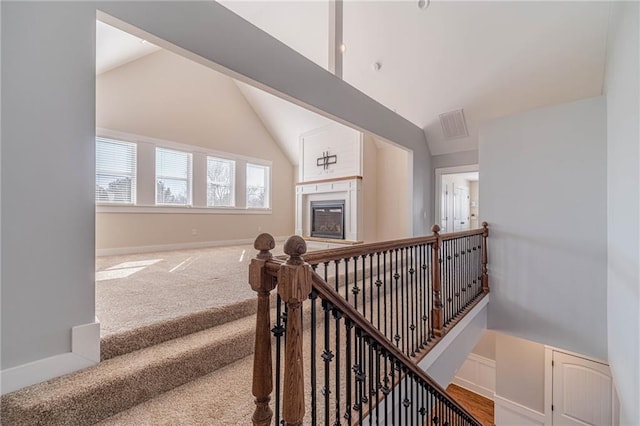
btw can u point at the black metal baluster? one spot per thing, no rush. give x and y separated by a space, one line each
396 277
378 384
337 272
393 391
406 402
403 302
346 281
384 292
314 328
364 287
337 315
348 365
371 288
378 285
278 331
327 356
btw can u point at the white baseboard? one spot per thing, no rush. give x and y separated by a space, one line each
178 246
477 374
509 413
85 352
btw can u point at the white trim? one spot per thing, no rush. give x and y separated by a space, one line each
85 341
85 344
448 338
474 383
548 384
110 208
525 415
177 246
438 189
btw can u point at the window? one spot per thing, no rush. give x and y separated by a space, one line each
221 175
115 171
173 177
257 186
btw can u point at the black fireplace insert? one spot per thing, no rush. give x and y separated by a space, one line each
327 219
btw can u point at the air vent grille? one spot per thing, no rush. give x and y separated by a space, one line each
453 124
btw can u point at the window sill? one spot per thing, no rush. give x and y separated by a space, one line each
111 208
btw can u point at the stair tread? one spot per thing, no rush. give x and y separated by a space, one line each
222 397
127 365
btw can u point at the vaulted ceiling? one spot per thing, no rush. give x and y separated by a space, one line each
490 58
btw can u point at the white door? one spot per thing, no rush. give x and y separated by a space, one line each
461 219
582 391
444 208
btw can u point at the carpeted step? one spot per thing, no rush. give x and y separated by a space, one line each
121 343
93 394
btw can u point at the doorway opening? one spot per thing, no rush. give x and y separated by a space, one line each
457 198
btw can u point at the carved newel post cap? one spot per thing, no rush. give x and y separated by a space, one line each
295 247
435 228
264 243
485 224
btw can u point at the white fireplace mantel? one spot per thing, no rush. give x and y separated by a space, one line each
348 189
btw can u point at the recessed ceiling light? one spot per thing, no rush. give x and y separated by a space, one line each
343 48
423 4
377 66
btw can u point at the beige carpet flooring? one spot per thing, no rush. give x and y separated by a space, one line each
138 290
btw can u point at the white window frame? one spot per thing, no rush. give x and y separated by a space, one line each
188 179
146 179
132 176
233 180
267 185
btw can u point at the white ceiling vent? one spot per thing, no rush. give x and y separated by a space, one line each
453 124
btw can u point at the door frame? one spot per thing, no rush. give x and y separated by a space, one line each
548 383
438 185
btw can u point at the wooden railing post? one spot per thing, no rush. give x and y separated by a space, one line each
437 317
263 284
485 274
294 286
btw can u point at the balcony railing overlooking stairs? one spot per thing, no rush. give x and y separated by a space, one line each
348 356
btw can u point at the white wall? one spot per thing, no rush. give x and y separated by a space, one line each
48 109
370 189
47 177
520 371
543 193
623 212
169 97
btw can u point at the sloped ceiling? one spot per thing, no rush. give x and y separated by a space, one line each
490 58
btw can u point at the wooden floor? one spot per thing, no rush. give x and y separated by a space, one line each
479 406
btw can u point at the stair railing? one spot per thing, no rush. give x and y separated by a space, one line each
405 295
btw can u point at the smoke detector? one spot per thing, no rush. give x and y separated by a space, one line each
454 125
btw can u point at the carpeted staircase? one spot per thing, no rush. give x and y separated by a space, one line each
148 363
193 370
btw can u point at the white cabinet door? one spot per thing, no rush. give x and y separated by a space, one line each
582 391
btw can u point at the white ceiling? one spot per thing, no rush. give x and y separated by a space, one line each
490 58
115 48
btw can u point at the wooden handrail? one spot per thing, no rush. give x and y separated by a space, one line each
459 234
328 255
327 293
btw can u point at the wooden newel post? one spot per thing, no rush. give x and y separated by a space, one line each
437 318
485 274
263 284
294 286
